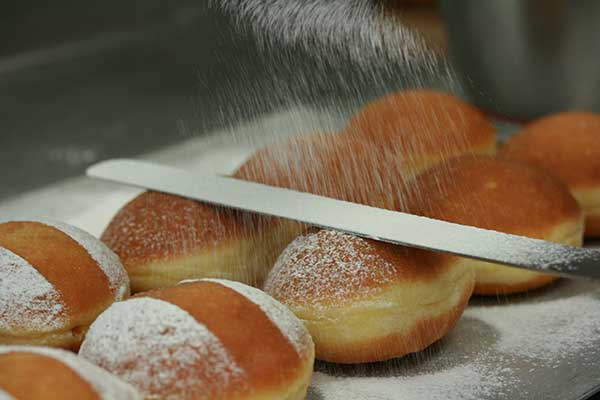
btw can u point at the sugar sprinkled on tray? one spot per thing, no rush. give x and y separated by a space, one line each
545 331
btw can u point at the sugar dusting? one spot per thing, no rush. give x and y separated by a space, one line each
289 325
106 259
469 382
160 226
327 266
107 386
548 332
160 349
5 396
28 302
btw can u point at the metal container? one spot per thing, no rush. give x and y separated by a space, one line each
527 58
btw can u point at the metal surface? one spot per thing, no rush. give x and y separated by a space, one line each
385 225
526 58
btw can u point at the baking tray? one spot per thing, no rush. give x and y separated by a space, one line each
545 344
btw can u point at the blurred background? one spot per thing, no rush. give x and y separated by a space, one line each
80 82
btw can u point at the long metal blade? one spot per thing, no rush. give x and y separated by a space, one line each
375 223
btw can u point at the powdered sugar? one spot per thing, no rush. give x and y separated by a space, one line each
546 331
107 386
160 349
106 259
327 265
343 32
284 319
466 382
28 302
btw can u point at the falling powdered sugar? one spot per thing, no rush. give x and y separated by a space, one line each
545 331
162 350
337 31
107 386
28 302
328 266
289 325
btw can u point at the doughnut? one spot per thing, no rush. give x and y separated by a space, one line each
568 146
501 195
204 339
424 127
335 165
55 279
365 301
163 239
42 373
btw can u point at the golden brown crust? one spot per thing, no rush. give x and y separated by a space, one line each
29 376
332 165
157 226
258 347
421 125
81 284
493 193
424 333
565 144
244 260
295 163
163 239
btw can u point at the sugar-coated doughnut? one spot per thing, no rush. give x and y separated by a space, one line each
424 127
163 239
42 373
204 339
55 279
366 301
501 195
568 146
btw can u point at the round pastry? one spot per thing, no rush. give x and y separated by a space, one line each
500 195
55 279
204 339
568 146
366 301
163 239
41 373
424 127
